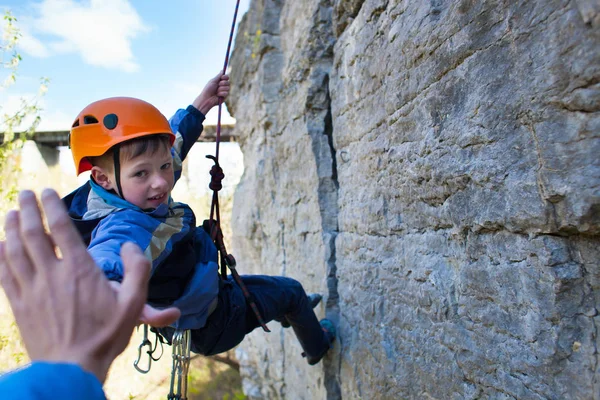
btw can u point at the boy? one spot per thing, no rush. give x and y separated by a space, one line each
135 159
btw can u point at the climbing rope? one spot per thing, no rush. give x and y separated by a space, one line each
213 225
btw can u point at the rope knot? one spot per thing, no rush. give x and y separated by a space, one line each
216 176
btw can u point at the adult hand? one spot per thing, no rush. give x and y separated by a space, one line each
65 308
216 89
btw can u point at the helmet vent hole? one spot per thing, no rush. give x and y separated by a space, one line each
111 121
88 119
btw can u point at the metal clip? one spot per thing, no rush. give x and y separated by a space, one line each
181 363
145 342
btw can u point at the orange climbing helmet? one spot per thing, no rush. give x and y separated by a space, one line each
105 123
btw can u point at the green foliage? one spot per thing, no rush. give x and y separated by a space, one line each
10 60
238 395
18 356
209 379
27 116
4 340
12 351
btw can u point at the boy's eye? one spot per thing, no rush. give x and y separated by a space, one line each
166 166
140 174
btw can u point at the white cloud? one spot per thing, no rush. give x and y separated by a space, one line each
101 31
31 45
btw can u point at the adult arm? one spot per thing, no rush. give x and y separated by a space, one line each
49 381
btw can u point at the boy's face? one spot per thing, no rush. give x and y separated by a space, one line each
146 180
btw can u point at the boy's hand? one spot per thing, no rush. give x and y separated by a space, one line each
217 88
153 316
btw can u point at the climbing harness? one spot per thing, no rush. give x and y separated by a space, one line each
181 341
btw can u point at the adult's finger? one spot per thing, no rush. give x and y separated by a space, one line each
7 279
17 259
134 287
33 234
63 231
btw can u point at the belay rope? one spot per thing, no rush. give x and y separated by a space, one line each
181 341
214 224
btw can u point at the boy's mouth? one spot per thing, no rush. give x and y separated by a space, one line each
157 197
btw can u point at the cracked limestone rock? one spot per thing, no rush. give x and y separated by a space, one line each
432 168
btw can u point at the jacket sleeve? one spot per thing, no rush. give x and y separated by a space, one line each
42 380
187 126
108 237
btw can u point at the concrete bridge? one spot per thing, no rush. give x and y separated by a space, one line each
61 138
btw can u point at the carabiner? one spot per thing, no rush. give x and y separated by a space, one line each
181 363
145 342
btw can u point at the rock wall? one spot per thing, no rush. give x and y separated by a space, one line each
433 167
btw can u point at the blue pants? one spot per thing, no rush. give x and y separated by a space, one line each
275 297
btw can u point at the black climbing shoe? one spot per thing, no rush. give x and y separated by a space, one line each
313 299
329 330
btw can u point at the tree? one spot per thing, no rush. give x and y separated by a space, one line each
25 119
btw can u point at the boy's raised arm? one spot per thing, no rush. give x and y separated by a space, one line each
187 124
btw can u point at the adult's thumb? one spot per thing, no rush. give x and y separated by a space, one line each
159 318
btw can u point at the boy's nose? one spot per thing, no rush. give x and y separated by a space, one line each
159 182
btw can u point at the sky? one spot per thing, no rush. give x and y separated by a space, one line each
160 51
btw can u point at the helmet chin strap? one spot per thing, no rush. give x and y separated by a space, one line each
117 162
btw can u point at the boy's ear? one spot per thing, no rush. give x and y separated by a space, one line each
102 178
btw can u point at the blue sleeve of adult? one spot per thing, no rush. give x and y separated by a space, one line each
42 380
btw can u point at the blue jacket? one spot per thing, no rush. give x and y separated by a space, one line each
184 267
49 381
